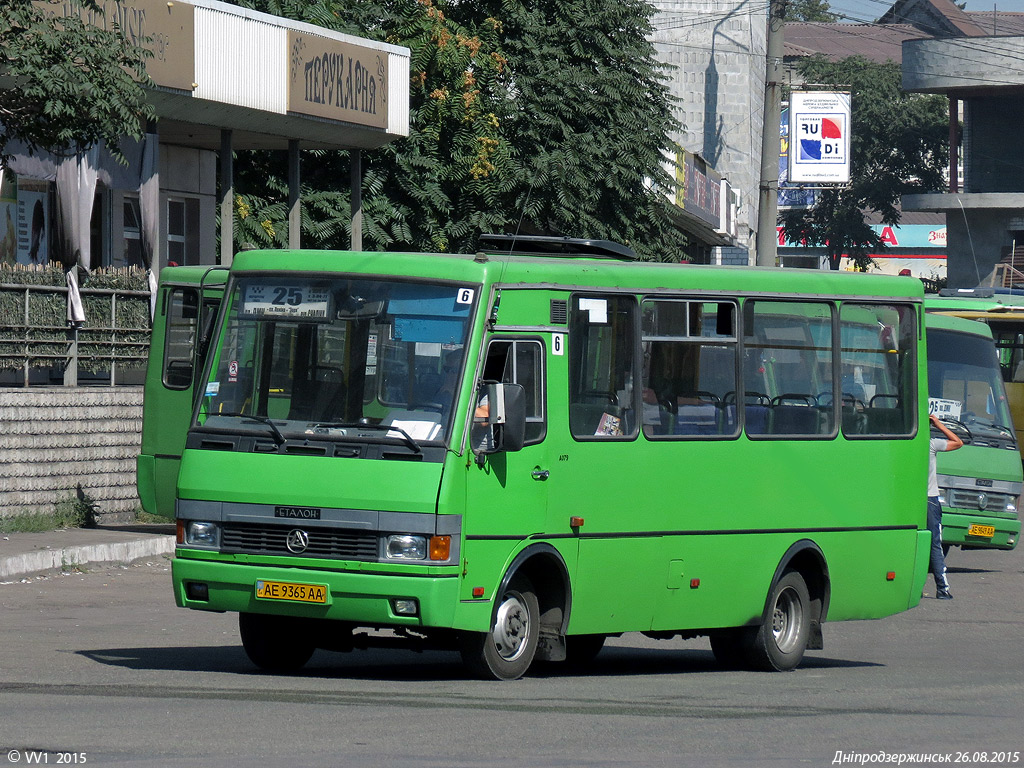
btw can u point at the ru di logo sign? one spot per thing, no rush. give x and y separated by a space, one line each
822 139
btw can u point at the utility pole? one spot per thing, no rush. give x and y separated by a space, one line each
768 188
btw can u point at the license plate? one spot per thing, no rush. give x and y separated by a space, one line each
284 590
988 531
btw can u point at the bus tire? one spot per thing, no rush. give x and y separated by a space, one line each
507 650
274 643
779 643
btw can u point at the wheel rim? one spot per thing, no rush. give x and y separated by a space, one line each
511 628
787 618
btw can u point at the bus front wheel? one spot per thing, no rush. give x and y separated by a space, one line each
779 643
274 643
507 650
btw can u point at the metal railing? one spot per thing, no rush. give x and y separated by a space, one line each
98 348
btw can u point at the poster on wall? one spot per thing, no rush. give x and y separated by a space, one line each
8 217
33 222
819 137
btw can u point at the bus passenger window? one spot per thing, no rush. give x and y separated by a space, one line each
787 368
602 339
689 368
877 360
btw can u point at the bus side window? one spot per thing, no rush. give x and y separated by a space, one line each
788 348
877 358
182 311
521 362
690 368
602 366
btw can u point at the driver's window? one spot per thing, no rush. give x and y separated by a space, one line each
518 362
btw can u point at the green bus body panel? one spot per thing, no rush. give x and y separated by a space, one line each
167 412
353 596
991 464
677 535
314 481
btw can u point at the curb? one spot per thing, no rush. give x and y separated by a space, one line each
112 552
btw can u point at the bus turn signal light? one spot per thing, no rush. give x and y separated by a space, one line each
440 547
575 522
890 576
478 591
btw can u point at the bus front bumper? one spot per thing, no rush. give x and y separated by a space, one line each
970 530
364 599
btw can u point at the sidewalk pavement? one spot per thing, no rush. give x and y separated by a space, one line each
27 553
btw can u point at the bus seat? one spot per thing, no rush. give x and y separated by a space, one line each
885 421
696 418
755 411
794 420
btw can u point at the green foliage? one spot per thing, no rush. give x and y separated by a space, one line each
67 85
899 146
810 10
116 327
546 119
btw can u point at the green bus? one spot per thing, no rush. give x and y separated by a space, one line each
518 455
980 484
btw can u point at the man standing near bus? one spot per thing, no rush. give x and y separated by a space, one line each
937 561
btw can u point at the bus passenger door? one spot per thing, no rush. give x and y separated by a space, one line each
177 354
506 492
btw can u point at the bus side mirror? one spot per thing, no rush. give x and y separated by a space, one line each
505 416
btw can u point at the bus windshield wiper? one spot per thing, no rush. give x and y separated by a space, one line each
278 437
379 427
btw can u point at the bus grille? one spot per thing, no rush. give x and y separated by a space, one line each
323 542
979 500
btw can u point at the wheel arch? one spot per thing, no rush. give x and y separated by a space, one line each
544 566
806 558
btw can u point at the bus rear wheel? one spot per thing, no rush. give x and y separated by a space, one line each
507 650
779 643
275 643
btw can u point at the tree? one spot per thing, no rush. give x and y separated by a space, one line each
548 119
69 85
898 146
810 10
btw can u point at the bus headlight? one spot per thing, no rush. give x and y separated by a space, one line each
405 547
1011 506
200 533
942 496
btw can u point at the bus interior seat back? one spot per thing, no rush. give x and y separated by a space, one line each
700 418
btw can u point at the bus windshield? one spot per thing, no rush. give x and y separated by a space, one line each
964 377
337 357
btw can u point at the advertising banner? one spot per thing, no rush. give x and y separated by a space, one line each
819 137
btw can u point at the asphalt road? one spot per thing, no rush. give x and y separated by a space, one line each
102 666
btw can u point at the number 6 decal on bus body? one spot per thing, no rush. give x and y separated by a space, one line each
557 343
464 296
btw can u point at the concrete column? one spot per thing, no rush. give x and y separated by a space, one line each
227 198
